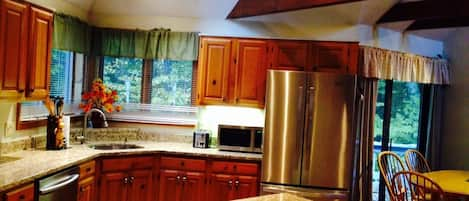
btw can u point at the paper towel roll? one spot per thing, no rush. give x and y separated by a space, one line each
66 130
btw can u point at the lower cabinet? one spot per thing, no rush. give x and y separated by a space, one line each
86 188
229 187
22 194
178 185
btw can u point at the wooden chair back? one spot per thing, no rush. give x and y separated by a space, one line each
389 164
416 161
413 186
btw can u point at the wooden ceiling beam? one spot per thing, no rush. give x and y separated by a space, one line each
249 8
439 23
426 10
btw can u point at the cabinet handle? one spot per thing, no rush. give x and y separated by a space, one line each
126 180
178 178
230 182
214 82
22 197
236 184
184 178
132 179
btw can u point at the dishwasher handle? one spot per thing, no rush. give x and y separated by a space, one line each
67 181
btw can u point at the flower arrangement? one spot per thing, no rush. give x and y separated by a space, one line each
100 97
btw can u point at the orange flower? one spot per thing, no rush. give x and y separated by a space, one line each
100 97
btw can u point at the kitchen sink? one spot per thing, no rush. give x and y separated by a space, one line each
114 146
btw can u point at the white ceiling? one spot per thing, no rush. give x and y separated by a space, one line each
361 12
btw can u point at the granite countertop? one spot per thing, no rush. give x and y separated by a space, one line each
276 197
34 164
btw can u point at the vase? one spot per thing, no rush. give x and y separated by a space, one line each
97 119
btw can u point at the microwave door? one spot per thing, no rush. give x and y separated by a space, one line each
283 131
328 138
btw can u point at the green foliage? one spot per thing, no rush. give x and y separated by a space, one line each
405 111
125 76
171 83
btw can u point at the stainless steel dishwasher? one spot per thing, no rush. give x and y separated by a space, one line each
61 186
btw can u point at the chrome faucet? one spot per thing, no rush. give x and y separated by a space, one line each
82 138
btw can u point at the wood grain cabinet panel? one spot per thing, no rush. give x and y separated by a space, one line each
140 188
13 47
245 186
22 194
86 188
113 187
40 46
193 186
251 70
220 188
335 57
169 185
289 55
214 60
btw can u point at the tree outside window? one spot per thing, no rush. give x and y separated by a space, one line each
125 76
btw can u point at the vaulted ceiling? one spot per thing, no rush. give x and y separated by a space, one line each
357 12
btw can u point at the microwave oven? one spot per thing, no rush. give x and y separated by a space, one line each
240 138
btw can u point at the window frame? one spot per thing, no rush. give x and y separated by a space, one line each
145 98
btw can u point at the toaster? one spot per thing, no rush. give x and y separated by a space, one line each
201 139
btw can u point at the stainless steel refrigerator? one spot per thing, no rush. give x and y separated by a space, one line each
309 134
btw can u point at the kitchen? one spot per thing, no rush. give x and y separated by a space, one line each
221 70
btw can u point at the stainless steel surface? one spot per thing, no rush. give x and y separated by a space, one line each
310 193
82 138
283 130
309 130
328 140
114 146
250 148
60 186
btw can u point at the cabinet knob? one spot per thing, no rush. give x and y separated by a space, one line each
178 177
132 179
82 189
21 90
230 182
182 163
214 82
31 90
184 178
237 99
22 197
126 180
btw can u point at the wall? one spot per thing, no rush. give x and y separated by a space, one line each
455 134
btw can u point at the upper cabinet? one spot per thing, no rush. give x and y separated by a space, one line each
288 55
40 46
13 47
25 50
232 71
336 57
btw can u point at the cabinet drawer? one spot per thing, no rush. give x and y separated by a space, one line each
182 164
234 168
123 164
23 194
87 169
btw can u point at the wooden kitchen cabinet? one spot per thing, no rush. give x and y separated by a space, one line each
288 55
40 55
251 70
87 182
232 71
335 57
214 67
25 50
13 47
25 193
182 179
126 179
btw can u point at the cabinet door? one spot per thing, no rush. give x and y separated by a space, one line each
113 187
170 185
251 70
289 55
330 57
40 46
23 194
193 186
214 66
246 186
13 47
86 188
141 188
221 188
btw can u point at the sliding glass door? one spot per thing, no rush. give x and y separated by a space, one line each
398 112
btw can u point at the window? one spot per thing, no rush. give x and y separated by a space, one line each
61 74
403 101
171 83
125 76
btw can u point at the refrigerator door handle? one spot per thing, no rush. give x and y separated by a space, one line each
308 126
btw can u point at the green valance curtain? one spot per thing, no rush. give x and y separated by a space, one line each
152 44
71 34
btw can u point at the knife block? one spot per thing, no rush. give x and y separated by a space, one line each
51 137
